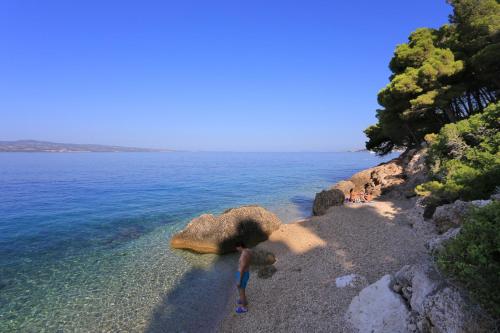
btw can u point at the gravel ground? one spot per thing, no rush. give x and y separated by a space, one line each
366 239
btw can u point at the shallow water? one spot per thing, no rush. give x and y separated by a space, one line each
84 237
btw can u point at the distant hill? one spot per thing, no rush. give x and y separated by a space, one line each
52 147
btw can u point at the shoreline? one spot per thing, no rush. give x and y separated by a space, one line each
361 240
366 240
361 267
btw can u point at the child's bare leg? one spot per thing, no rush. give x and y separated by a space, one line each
243 297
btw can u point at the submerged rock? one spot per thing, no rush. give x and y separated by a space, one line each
210 234
327 199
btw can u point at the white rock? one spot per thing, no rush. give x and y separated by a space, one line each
351 280
378 309
422 286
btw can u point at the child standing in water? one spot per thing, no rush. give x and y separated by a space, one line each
243 275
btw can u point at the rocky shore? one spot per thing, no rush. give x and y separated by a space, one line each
351 267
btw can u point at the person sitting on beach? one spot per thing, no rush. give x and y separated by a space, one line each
353 196
367 195
243 275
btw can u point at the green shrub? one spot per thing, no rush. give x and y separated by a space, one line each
473 258
464 159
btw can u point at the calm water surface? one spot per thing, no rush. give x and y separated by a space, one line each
84 237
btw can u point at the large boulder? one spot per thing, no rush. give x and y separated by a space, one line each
435 305
448 311
210 234
452 215
378 309
326 199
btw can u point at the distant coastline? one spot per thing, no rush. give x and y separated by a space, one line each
34 146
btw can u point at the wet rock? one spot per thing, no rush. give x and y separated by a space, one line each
210 234
326 199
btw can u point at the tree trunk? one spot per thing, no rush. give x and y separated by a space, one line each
479 102
470 110
450 114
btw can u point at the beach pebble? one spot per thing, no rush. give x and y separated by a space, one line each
266 272
351 280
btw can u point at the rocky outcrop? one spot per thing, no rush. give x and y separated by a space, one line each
398 177
414 167
326 199
436 244
345 186
210 234
378 309
435 305
416 299
376 179
452 215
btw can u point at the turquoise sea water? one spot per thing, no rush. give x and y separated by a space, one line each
84 237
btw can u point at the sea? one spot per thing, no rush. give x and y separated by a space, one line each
84 237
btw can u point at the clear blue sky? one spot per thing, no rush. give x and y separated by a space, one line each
200 75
